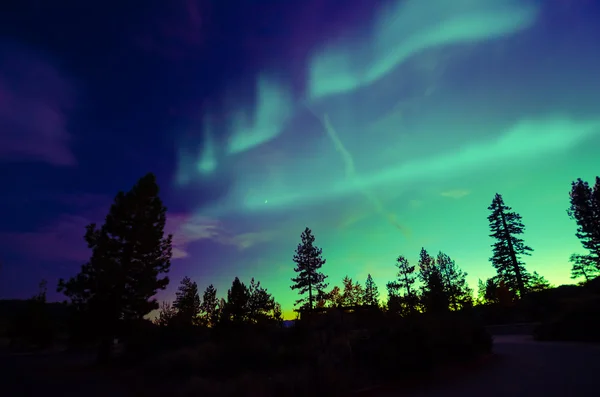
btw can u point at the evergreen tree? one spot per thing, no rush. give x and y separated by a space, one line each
434 296
481 296
505 226
402 295
278 314
358 294
455 282
487 290
426 266
187 302
352 293
334 297
260 303
310 281
585 210
371 293
129 254
236 306
538 283
209 309
584 266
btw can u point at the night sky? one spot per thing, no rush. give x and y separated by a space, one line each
384 126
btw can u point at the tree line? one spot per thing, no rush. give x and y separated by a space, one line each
131 257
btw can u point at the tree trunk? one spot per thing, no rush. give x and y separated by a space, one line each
513 257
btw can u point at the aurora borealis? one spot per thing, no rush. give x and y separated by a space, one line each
388 131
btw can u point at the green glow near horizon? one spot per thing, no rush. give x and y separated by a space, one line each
402 144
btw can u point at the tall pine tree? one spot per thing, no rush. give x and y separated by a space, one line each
209 309
455 282
370 293
261 304
309 282
585 210
505 226
130 256
402 295
187 303
236 307
434 295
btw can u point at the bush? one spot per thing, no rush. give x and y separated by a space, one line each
326 360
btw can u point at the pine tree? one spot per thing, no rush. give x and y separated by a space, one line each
426 266
434 295
334 297
358 294
260 303
278 314
187 303
129 254
405 280
455 282
236 306
309 260
585 210
209 309
352 293
584 266
371 293
538 283
487 291
505 226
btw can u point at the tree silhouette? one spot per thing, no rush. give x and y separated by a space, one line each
538 283
455 281
166 314
260 303
371 293
277 314
187 303
209 309
334 297
309 281
585 210
584 266
236 306
505 226
434 294
129 254
351 294
405 280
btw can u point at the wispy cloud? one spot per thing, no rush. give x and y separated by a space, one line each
456 193
34 98
62 238
187 229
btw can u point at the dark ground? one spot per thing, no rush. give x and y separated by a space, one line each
519 367
54 374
